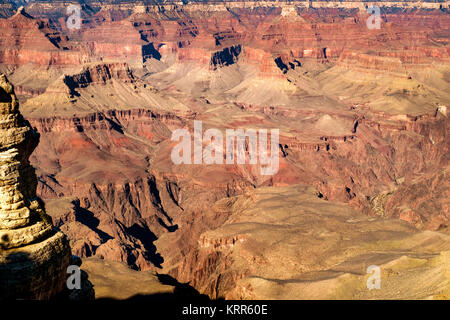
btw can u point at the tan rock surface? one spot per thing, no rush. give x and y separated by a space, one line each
33 256
115 280
286 243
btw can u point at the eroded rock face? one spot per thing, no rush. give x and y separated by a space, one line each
285 243
33 256
362 115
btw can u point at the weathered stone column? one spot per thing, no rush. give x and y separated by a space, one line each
33 256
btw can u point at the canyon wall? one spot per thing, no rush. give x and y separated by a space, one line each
362 116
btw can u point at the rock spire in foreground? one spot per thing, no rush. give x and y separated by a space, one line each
33 256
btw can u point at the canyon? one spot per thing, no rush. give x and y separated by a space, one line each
363 149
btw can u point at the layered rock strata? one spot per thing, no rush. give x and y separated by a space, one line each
33 256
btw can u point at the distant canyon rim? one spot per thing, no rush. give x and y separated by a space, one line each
362 115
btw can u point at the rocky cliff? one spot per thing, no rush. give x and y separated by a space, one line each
34 256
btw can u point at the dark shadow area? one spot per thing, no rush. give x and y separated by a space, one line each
173 189
226 57
149 51
147 237
13 280
281 65
4 97
355 126
72 85
168 228
156 200
87 218
115 125
23 277
182 292
85 293
283 149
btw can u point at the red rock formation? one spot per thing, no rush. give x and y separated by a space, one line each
104 159
27 40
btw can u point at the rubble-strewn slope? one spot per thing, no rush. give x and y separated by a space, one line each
286 243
